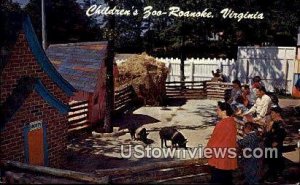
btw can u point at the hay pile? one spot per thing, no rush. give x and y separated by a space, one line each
147 76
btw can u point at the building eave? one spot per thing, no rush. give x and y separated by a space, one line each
43 60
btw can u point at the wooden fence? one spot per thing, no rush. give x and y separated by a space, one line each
182 171
216 90
78 116
187 90
19 173
125 100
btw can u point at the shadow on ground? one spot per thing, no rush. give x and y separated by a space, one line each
137 120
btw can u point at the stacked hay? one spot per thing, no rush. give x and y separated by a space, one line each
147 76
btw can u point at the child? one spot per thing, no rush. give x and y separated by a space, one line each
273 138
252 166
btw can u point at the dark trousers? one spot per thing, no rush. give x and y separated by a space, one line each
275 166
221 176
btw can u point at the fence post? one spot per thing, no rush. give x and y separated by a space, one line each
286 76
192 70
247 72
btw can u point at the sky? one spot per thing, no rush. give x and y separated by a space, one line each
22 2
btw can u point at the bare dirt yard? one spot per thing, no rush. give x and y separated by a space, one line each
195 119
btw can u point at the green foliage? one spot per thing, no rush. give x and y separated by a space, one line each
9 13
166 35
65 21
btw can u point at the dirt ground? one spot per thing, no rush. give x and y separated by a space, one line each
195 119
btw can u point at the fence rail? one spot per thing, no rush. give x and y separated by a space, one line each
183 171
78 116
186 89
125 100
216 90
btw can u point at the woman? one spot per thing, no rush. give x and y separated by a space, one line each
223 138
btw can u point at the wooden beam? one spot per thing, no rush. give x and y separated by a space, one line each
78 176
162 174
152 166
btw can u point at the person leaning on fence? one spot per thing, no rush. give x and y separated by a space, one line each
217 77
223 138
274 136
262 106
251 166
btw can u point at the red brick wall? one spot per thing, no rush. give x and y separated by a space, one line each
22 63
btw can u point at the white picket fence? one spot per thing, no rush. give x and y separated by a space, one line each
199 69
275 65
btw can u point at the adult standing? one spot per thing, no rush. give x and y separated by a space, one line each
223 138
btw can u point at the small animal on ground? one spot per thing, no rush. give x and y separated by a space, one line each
176 137
139 134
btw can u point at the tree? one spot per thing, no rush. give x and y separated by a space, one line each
10 23
162 36
66 21
109 90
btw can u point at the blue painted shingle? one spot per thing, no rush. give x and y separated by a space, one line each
79 63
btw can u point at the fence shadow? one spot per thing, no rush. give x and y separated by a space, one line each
136 120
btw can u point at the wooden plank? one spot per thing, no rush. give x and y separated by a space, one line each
219 83
161 174
215 95
191 82
125 93
77 109
56 172
78 103
79 124
78 128
123 98
77 120
151 166
197 178
77 114
124 106
184 87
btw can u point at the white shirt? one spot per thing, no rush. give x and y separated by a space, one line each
261 107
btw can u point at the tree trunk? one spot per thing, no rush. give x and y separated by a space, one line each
109 93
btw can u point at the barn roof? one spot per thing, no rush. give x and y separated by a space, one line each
43 60
79 63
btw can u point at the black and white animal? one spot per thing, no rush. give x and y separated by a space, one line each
138 134
171 133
